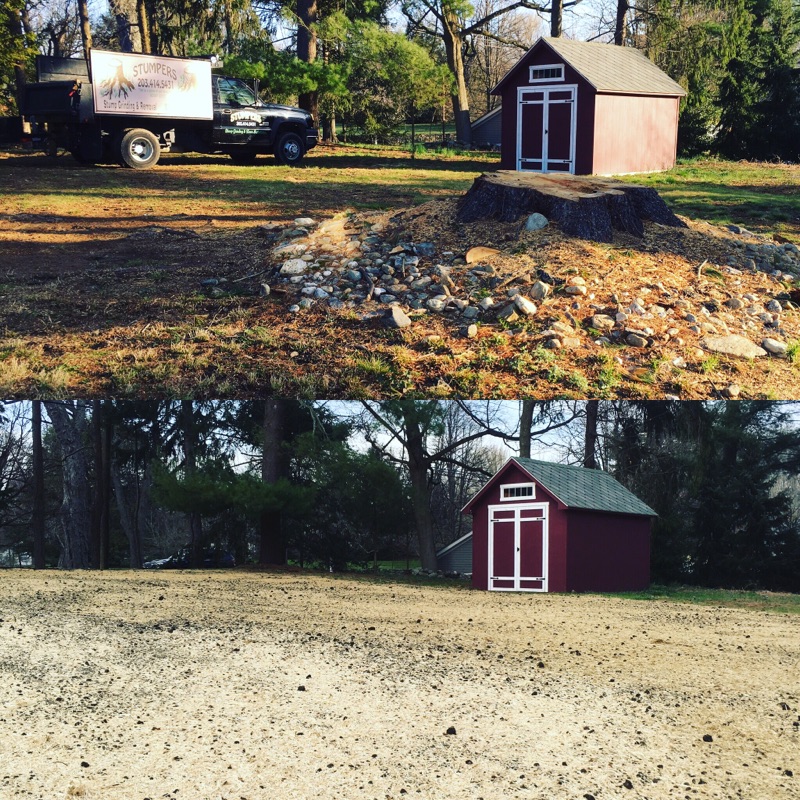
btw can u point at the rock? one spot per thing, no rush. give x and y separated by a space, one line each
451 731
470 312
437 303
635 340
485 303
264 290
396 318
627 784
576 289
601 322
294 266
536 222
734 303
304 222
553 344
293 309
570 342
732 345
540 290
470 331
478 253
426 249
774 346
526 306
774 306
707 737
509 313
732 391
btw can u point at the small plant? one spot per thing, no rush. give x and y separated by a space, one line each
793 351
710 364
577 380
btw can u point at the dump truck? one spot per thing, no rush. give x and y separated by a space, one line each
131 107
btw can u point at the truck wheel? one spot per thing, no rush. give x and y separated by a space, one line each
289 149
139 149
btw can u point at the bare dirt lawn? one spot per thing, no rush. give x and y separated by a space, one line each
256 685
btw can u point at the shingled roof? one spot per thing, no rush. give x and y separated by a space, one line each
609 68
578 487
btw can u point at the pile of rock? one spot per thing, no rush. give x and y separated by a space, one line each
346 264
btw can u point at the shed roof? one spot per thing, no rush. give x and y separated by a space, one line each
609 67
579 487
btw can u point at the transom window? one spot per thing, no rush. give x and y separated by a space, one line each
545 73
516 491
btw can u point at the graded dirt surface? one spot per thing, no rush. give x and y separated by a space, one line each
125 686
122 283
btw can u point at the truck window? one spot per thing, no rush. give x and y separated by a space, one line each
235 92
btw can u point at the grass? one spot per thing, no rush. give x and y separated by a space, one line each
761 197
775 602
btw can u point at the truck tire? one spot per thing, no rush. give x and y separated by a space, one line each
289 150
138 148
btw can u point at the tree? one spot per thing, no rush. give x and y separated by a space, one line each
70 425
448 20
38 498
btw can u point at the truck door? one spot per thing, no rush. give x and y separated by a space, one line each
236 119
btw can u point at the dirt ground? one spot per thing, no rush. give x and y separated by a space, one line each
248 686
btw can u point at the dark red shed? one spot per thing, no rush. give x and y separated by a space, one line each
544 527
588 109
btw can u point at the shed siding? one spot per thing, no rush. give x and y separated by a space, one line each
557 522
487 133
607 552
459 559
584 111
634 133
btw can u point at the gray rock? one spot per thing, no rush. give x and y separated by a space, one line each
576 289
732 391
635 340
264 290
437 303
527 307
536 222
732 345
570 342
774 346
601 322
540 290
485 303
735 303
294 266
425 249
304 222
509 313
470 312
774 306
396 318
470 331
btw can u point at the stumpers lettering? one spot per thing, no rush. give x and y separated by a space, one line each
157 68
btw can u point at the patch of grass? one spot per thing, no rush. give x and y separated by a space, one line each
793 352
13 372
775 602
710 364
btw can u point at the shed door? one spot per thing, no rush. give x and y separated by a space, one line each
546 129
518 548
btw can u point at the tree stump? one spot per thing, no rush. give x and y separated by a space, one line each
585 207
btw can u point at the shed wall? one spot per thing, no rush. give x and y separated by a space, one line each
488 132
607 552
634 133
584 111
459 559
557 522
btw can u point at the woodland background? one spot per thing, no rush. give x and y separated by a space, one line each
366 68
346 485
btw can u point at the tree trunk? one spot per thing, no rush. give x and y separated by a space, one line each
123 13
590 436
453 46
619 25
86 31
37 455
144 26
272 547
307 50
556 18
127 522
418 465
70 429
525 427
99 493
190 467
588 208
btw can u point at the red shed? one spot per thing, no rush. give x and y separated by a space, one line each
588 109
544 527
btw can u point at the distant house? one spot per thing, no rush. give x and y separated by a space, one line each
587 108
486 130
544 527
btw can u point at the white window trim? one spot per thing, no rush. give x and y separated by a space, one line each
531 79
517 498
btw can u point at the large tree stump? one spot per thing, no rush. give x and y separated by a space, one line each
589 208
